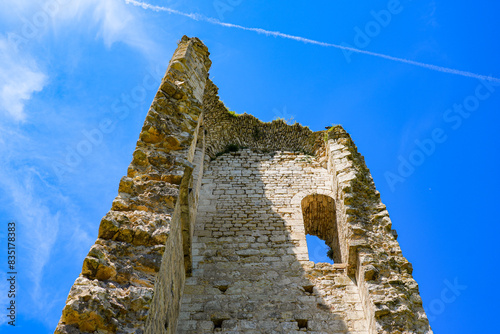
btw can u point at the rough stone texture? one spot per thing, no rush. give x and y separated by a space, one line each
207 233
390 294
251 273
225 128
119 286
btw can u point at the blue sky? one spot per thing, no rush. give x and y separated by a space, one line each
77 78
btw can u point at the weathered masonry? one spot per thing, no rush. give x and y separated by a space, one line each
207 233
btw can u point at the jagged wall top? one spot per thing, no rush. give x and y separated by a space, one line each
222 127
191 61
225 128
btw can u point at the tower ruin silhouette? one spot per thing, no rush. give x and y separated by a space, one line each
208 231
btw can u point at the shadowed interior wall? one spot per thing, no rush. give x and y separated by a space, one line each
251 272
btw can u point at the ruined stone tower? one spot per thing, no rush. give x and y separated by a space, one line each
208 231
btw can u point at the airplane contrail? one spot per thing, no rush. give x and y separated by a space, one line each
199 17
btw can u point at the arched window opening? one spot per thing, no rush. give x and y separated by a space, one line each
320 220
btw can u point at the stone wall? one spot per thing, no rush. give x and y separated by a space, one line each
136 267
390 294
251 271
207 233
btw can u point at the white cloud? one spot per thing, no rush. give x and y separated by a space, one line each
20 78
35 217
112 20
118 24
48 227
47 213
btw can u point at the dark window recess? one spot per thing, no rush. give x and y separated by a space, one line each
302 323
218 323
222 288
309 288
